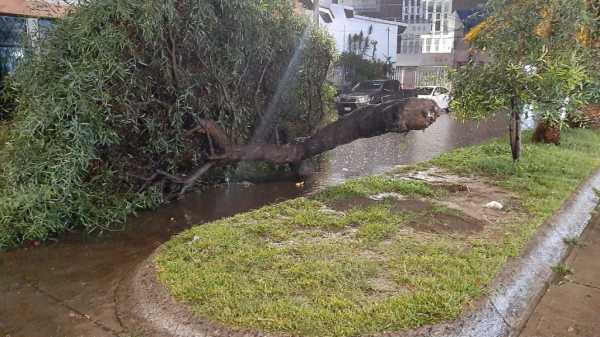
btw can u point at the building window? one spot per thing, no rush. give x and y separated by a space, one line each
11 38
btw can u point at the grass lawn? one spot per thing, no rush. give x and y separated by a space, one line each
299 267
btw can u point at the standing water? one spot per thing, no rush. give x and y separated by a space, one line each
68 288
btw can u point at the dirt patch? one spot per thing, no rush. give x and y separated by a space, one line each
371 255
446 223
383 287
470 194
451 188
352 202
415 206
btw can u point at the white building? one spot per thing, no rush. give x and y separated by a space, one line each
341 22
426 47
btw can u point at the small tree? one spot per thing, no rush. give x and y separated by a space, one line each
535 61
356 62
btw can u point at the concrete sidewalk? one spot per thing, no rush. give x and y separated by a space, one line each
570 306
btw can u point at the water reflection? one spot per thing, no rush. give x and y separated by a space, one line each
377 155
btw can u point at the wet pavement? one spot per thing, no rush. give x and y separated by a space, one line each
570 305
365 157
67 288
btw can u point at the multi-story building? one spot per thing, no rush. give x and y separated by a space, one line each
425 48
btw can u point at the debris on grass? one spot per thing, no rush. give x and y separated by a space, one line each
494 205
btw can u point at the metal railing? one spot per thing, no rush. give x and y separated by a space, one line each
409 77
412 77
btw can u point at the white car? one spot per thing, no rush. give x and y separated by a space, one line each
437 94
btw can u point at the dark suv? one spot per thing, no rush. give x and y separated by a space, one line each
369 92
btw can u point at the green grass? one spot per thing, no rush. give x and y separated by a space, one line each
295 268
563 268
575 242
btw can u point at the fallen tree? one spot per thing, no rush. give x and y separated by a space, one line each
169 91
399 116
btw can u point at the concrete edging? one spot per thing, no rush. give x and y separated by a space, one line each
146 306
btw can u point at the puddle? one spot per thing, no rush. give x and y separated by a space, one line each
353 202
414 206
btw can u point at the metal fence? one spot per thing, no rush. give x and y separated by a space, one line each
412 77
409 77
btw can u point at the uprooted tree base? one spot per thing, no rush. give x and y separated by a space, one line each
396 116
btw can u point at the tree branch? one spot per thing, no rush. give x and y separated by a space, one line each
394 116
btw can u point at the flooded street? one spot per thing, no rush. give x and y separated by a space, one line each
67 288
375 156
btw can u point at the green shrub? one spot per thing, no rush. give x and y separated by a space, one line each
108 96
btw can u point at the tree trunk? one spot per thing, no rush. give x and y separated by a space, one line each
515 131
395 116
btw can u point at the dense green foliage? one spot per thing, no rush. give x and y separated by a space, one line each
358 69
109 95
358 60
301 269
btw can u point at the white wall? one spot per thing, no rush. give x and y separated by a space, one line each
385 34
361 3
422 60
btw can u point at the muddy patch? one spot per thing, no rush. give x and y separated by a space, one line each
446 223
352 202
451 188
415 206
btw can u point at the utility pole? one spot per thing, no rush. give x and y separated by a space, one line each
388 44
316 11
343 51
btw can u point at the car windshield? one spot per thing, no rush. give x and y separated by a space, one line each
424 91
368 86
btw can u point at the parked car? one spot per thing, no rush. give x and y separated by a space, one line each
437 94
369 92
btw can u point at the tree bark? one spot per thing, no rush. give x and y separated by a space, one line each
399 116
515 131
395 116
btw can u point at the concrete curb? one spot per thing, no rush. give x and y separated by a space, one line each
146 306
